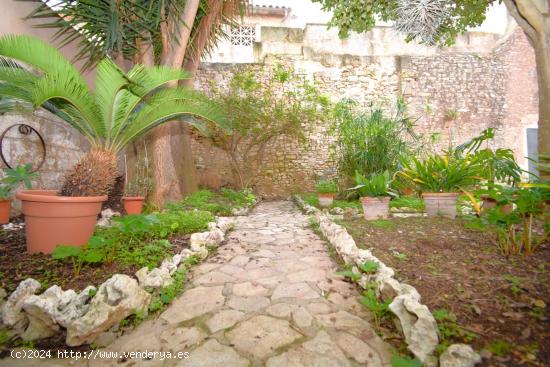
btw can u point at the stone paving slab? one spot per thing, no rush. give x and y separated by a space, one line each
267 297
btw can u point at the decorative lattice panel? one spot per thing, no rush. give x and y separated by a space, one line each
243 35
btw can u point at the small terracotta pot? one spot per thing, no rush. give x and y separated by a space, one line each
376 208
325 200
5 208
52 220
490 203
407 191
441 204
133 204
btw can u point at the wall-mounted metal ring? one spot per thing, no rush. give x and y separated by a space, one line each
23 129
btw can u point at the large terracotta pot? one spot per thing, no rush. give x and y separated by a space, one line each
52 220
5 208
325 200
376 208
441 204
133 204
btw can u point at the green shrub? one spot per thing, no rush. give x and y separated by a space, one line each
15 176
494 165
513 229
138 240
440 173
216 203
376 185
326 187
371 142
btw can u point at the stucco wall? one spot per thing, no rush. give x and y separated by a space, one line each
64 146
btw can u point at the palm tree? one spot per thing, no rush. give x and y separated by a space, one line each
123 107
175 33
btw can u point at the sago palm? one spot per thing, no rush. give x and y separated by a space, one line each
123 107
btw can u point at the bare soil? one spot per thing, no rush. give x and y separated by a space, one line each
502 303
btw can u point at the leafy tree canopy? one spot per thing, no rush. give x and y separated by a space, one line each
451 17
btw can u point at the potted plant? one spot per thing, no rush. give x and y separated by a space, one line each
326 189
137 187
374 192
440 178
123 107
12 178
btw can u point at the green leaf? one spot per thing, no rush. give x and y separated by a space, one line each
369 266
65 252
398 361
92 256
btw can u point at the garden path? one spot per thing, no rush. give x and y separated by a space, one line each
269 296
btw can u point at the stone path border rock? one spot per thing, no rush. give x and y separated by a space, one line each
417 323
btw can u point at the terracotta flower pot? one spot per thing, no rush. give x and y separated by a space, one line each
53 220
489 203
376 208
441 204
325 200
133 204
5 208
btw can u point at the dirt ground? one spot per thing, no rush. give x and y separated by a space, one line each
500 304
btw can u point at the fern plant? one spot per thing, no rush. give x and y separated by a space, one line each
124 106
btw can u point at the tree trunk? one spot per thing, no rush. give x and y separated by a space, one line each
182 139
542 53
167 136
533 16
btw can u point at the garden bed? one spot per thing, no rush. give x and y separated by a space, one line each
17 265
499 304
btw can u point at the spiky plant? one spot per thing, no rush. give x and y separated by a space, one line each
123 107
421 19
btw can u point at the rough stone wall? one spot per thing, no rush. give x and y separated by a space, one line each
64 146
454 95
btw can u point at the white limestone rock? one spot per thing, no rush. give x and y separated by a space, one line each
156 278
239 211
41 311
418 325
106 217
119 297
11 309
225 224
172 264
459 355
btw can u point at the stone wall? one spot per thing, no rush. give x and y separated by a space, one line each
64 146
452 94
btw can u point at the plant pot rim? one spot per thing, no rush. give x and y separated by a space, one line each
133 198
440 194
373 198
50 196
8 199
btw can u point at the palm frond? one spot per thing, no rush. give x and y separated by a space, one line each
146 80
37 54
150 116
110 80
56 86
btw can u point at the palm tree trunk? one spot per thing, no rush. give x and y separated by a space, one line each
94 175
170 149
